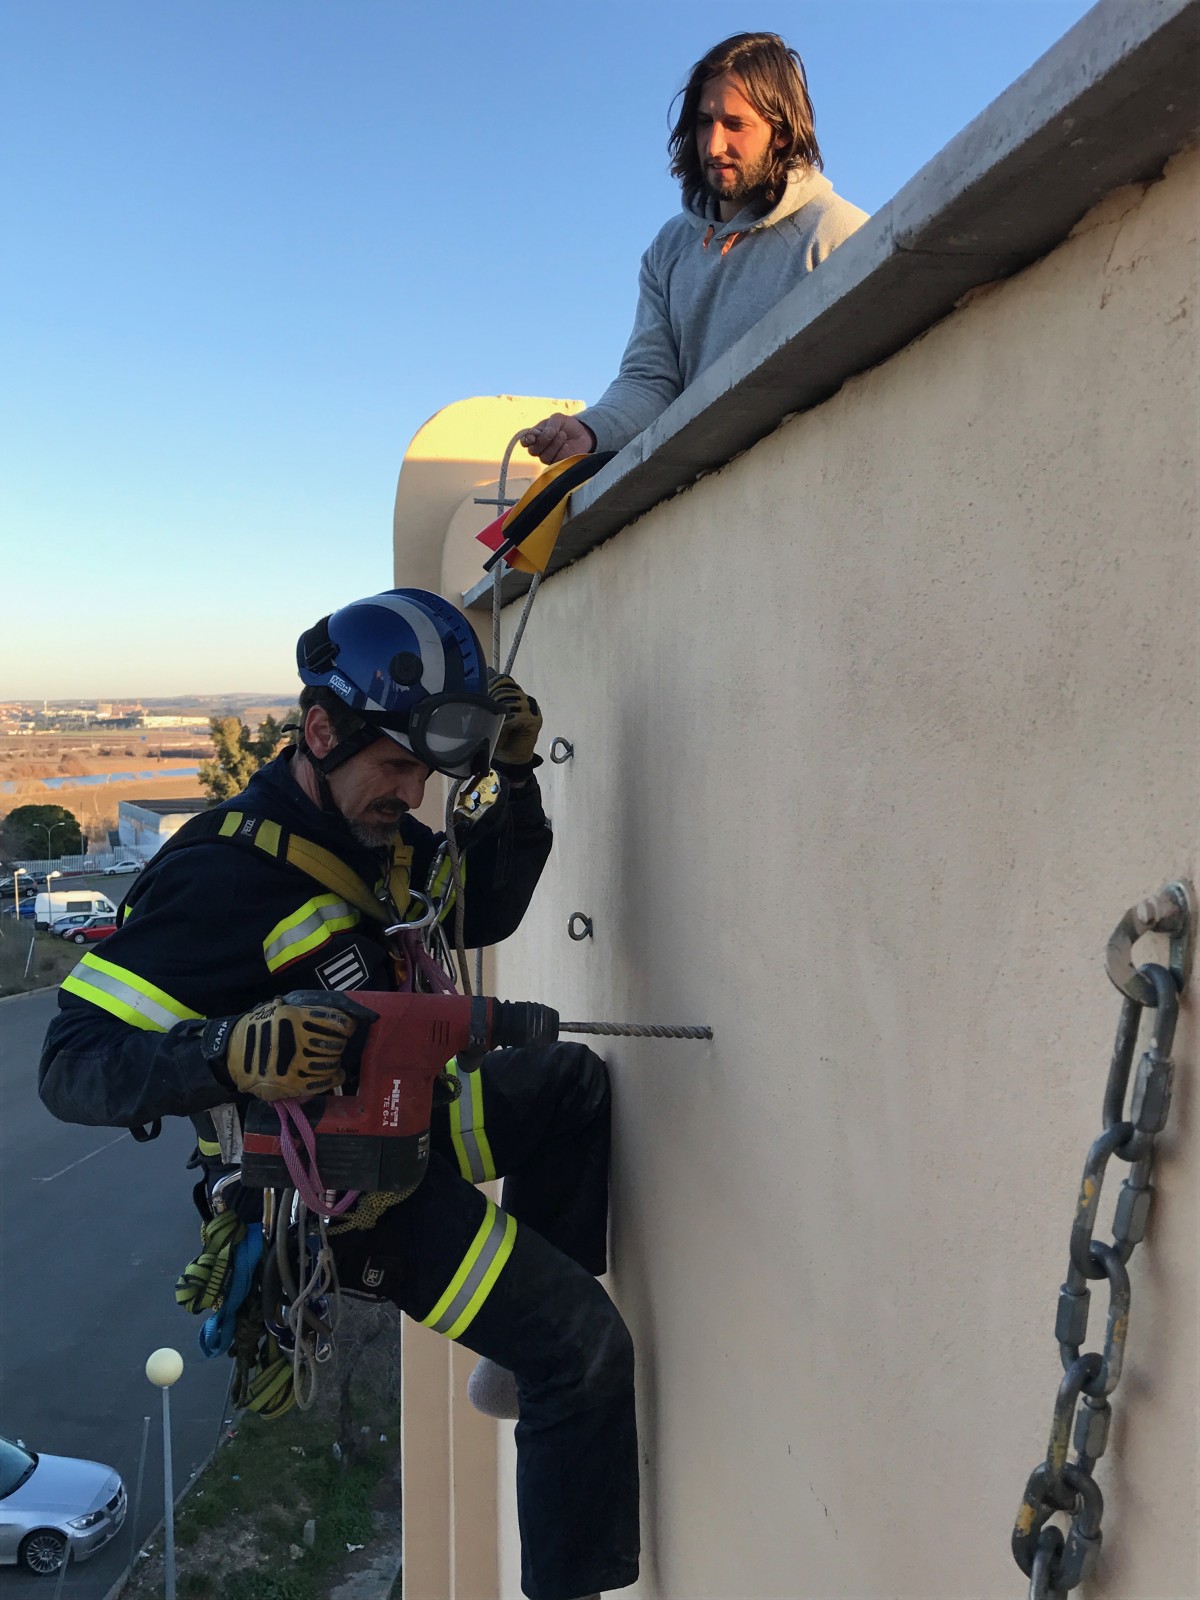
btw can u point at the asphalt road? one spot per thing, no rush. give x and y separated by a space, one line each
94 1229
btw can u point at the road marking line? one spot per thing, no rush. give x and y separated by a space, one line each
82 1159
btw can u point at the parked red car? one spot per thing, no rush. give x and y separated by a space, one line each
89 932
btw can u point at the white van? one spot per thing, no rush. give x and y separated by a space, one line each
49 906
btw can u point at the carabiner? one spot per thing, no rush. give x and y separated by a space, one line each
421 923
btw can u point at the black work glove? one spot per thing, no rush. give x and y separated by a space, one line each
288 1047
518 739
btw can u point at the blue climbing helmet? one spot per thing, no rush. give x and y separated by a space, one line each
408 664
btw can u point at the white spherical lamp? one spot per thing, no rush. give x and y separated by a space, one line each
164 1367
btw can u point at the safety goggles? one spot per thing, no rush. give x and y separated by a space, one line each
454 733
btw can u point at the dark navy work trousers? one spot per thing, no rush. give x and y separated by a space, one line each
546 1124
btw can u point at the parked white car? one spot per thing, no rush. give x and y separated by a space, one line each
122 866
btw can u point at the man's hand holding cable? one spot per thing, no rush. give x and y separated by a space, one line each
558 436
288 1047
517 744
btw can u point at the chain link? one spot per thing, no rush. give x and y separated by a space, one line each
1055 1561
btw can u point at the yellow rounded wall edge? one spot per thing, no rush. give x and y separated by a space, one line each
456 452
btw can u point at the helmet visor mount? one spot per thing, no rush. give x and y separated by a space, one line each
455 733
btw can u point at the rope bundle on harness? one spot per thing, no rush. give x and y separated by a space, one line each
204 1282
263 1374
304 1175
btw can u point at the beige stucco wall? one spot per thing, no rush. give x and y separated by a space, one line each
878 732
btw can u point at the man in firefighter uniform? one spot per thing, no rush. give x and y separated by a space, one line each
226 980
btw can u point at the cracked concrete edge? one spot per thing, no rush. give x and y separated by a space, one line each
378 1580
25 994
1109 104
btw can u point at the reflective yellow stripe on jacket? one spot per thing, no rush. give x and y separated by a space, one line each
126 995
476 1276
307 929
466 1127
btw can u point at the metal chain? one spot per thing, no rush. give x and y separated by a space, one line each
1056 1562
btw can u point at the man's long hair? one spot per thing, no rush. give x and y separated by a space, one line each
777 88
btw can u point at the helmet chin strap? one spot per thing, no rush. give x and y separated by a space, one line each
322 766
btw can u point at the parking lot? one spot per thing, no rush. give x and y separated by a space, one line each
114 886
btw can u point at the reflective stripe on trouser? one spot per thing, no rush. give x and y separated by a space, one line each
547 1320
310 926
476 1275
466 1127
547 1136
126 995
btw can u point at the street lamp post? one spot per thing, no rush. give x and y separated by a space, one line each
50 877
163 1368
18 874
48 829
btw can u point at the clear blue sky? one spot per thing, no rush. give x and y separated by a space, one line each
248 246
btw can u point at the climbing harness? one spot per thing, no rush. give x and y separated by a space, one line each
1056 1563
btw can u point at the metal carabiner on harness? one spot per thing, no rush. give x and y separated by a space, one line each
419 924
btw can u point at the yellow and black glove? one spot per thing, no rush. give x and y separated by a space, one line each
287 1047
518 739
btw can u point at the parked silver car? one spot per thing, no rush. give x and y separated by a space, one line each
47 1502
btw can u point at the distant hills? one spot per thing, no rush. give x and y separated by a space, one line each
216 702
180 703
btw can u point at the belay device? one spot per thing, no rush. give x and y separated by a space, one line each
374 1135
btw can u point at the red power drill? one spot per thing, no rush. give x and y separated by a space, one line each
375 1134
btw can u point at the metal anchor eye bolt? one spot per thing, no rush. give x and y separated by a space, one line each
561 750
579 926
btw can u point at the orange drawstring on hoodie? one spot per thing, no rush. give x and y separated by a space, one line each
728 244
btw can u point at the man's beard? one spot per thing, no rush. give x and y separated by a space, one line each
751 182
376 835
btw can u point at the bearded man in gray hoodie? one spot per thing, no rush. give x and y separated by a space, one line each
757 217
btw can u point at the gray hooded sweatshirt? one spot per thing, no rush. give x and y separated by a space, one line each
703 284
